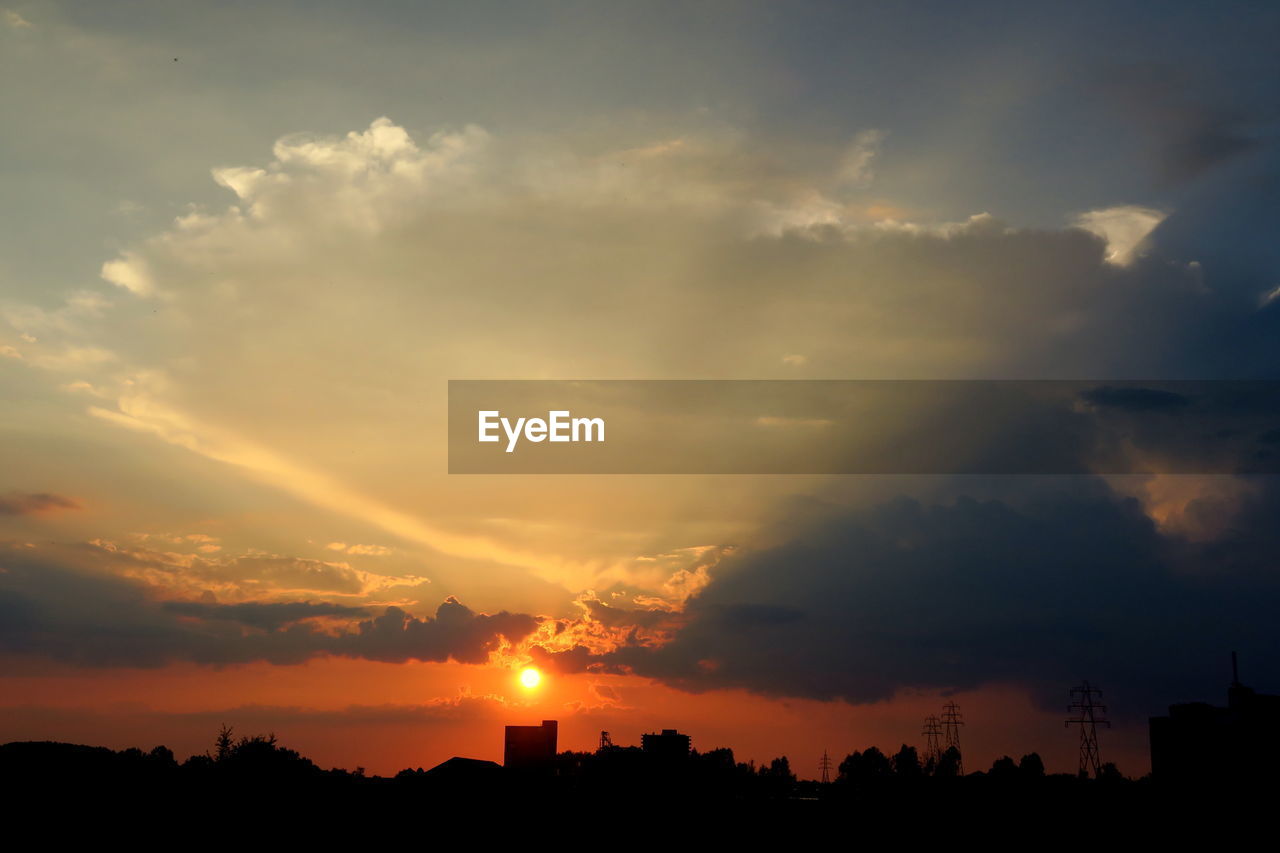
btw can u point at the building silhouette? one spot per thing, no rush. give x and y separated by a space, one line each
669 745
464 771
1207 744
530 746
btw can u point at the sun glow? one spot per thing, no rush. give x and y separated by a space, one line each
530 678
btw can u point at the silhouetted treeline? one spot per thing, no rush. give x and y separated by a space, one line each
253 760
251 769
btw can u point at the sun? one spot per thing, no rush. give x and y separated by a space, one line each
530 678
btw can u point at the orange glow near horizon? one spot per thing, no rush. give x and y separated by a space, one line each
342 712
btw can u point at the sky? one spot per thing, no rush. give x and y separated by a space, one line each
244 246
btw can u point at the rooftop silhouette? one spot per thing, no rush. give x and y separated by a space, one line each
1199 743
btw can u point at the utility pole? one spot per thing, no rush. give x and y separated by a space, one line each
1087 711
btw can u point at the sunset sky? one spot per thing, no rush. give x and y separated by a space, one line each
244 246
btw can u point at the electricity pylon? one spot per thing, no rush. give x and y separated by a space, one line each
932 739
952 720
1087 711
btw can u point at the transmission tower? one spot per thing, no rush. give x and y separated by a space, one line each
606 742
1087 709
952 720
825 766
932 739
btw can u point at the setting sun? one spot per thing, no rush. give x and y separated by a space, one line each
530 678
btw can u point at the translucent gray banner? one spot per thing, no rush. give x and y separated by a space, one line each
863 427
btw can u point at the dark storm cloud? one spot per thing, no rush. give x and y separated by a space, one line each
456 632
47 610
1208 138
613 617
1043 592
1185 427
1190 122
23 503
1135 399
260 614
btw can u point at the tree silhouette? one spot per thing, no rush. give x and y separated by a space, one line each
715 760
224 745
163 755
779 768
866 766
1004 768
906 764
1110 773
777 777
948 764
1031 766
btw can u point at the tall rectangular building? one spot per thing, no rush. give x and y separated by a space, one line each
530 746
670 745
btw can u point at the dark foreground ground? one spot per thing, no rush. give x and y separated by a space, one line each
273 792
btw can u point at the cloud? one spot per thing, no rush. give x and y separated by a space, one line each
772 421
70 326
25 503
88 619
858 605
855 165
440 224
369 550
130 272
264 615
359 550
343 274
1188 133
456 633
15 20
247 576
1135 399
73 358
1267 298
143 413
1125 230
405 241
